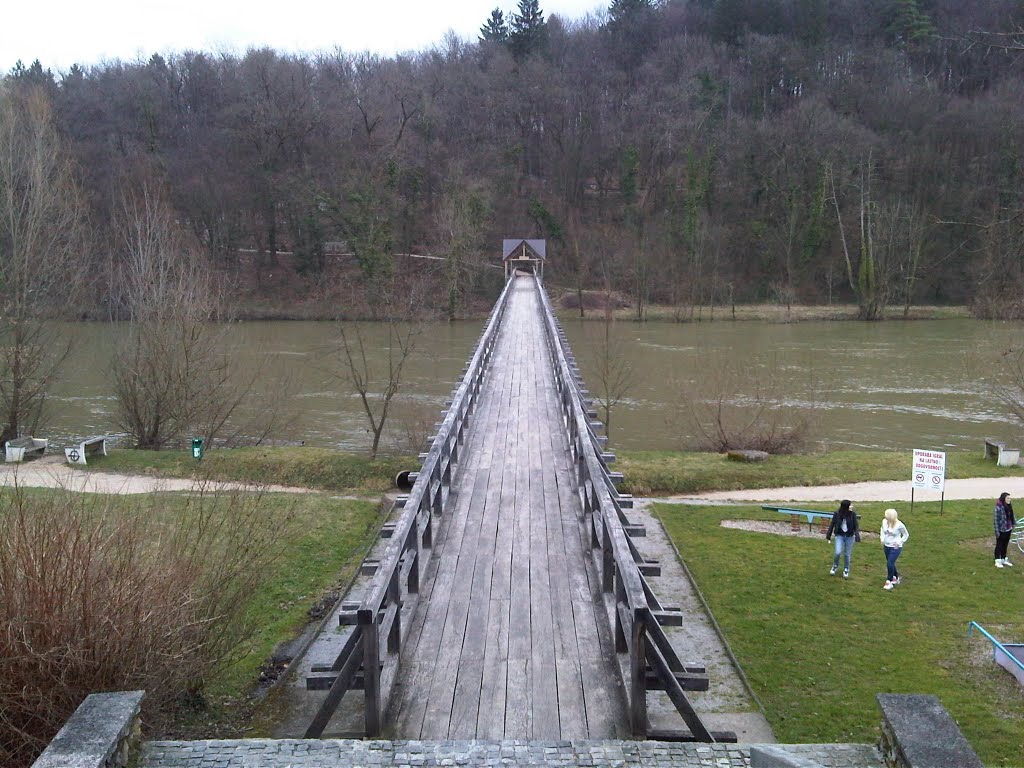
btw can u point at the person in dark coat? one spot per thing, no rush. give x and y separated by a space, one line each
1003 522
844 526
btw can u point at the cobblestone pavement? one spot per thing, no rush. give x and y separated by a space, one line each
348 753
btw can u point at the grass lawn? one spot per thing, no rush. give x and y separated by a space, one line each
325 546
662 473
305 467
817 648
322 549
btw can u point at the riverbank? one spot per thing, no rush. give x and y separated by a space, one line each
772 313
646 473
269 309
128 472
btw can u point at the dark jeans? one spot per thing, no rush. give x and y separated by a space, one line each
1002 540
891 553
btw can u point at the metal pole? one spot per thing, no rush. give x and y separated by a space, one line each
942 501
911 500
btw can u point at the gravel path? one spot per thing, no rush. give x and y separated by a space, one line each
52 472
895 490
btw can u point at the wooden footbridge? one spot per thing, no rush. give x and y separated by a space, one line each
510 601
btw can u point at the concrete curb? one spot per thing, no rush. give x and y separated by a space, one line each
711 617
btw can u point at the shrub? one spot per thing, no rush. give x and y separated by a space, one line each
97 594
732 407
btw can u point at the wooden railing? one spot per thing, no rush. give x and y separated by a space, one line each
370 656
652 661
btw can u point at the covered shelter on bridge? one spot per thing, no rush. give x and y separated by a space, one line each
525 255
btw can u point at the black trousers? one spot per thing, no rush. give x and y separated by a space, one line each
1002 540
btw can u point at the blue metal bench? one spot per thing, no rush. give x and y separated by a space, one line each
795 514
1010 656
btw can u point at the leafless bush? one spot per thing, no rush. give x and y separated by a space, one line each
414 422
174 373
1007 380
733 406
96 595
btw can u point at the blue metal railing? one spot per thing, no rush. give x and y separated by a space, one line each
996 643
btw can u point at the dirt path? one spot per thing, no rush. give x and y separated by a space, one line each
895 490
52 472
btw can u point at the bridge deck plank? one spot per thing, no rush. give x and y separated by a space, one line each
509 640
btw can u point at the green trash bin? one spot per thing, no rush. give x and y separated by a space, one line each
197 447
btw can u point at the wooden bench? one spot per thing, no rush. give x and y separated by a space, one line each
90 446
1005 457
24 447
795 514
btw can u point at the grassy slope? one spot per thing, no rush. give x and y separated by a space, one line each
817 649
668 472
318 468
326 545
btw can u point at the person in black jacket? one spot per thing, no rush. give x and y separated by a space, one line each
844 526
1003 522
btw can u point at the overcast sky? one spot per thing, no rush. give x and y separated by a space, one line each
63 32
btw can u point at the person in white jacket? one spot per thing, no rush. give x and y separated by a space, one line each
894 535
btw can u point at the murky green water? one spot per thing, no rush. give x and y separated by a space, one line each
881 385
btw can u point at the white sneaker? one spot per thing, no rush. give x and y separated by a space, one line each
833 571
846 573
999 563
888 585
1006 561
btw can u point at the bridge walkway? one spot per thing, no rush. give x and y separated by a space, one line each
510 639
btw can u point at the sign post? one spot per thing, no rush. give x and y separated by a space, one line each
928 473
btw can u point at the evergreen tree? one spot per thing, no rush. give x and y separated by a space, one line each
495 28
908 26
528 30
622 11
633 26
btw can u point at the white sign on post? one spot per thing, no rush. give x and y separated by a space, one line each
929 472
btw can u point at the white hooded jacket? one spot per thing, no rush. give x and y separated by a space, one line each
894 537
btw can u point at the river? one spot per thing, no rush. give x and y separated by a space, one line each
891 385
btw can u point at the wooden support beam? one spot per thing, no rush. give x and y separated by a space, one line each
347 664
650 568
635 530
669 617
660 734
347 616
688 681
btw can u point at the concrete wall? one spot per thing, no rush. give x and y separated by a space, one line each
103 732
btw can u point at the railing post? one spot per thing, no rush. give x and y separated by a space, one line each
395 599
638 675
367 619
607 560
413 587
428 530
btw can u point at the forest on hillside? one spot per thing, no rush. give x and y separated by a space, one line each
683 152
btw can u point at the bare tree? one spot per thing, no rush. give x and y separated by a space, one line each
173 373
881 232
611 371
461 220
376 382
42 245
